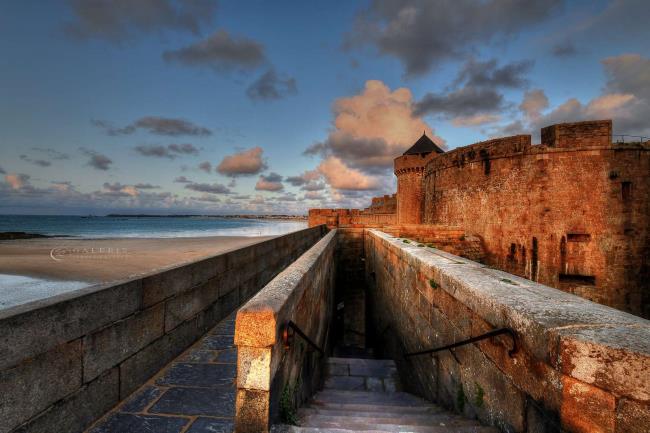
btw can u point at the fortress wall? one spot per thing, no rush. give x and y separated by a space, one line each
356 218
273 379
580 366
575 218
67 360
578 134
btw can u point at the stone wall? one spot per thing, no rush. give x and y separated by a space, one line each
356 218
67 360
581 367
572 214
272 380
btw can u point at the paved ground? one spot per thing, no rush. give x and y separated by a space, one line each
194 394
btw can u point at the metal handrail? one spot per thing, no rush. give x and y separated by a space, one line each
490 334
621 138
287 337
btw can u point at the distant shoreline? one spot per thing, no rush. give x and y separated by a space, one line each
245 216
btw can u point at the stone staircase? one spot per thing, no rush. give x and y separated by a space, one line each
364 395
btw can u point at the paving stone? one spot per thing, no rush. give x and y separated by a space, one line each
338 370
128 423
346 383
201 375
199 355
374 384
197 401
212 425
217 342
227 356
142 399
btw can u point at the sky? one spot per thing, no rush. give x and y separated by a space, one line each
227 107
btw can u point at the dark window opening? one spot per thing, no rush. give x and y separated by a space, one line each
578 237
486 166
585 280
563 253
534 259
626 191
513 252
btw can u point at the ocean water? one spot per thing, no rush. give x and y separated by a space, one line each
145 227
18 289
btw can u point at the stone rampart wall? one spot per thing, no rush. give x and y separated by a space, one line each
67 360
581 367
572 218
272 380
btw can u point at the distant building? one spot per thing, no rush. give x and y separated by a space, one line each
571 212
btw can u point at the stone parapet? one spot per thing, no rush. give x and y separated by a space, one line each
580 366
272 380
68 359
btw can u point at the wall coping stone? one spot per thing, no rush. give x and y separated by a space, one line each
603 340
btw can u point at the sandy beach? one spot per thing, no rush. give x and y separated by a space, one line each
103 260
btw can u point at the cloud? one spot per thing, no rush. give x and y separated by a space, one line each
17 180
205 166
565 48
118 21
423 34
625 99
97 160
155 125
119 189
305 177
313 195
372 128
534 102
340 176
467 101
39 162
245 163
182 179
475 73
271 182
271 86
215 188
170 151
221 52
475 120
474 97
146 186
52 153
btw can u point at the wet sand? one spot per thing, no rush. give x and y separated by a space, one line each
104 260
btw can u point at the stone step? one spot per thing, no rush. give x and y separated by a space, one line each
385 429
362 383
315 418
371 409
364 397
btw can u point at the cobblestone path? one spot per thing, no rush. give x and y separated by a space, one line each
195 393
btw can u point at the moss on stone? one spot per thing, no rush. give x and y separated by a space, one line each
478 398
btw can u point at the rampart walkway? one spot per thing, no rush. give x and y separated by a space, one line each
195 393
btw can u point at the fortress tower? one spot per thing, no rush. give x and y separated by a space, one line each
409 169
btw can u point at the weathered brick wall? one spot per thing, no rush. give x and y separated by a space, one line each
267 371
67 360
570 216
581 367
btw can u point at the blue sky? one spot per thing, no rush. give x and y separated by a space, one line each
112 105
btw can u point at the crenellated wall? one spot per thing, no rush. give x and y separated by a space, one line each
67 360
572 214
580 367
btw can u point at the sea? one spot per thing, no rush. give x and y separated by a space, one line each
94 227
20 289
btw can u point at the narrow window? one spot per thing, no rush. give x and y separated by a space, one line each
533 259
626 191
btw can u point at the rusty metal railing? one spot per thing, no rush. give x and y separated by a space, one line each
493 333
287 337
